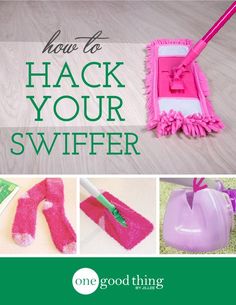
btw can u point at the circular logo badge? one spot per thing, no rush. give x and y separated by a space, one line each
85 281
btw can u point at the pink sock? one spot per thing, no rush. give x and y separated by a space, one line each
23 230
62 232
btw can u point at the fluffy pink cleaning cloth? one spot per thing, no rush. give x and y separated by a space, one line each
189 111
137 228
51 191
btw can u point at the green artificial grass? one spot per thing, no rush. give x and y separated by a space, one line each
165 190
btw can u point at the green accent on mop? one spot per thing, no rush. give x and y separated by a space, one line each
106 203
112 209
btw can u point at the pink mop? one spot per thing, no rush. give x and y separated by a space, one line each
118 220
177 89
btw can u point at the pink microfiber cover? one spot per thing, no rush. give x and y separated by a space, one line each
137 228
170 122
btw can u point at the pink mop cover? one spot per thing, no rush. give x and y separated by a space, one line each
137 228
169 122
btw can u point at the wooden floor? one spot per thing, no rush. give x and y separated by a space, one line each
130 25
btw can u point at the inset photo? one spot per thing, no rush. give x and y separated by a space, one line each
118 216
197 215
37 215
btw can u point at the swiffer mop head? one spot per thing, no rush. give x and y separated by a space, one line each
137 228
186 108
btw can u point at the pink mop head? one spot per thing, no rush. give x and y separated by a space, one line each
137 228
187 110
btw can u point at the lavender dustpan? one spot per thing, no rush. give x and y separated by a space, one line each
198 221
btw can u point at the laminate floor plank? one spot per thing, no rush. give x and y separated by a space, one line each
26 26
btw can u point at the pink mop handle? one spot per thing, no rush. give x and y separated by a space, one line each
202 43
